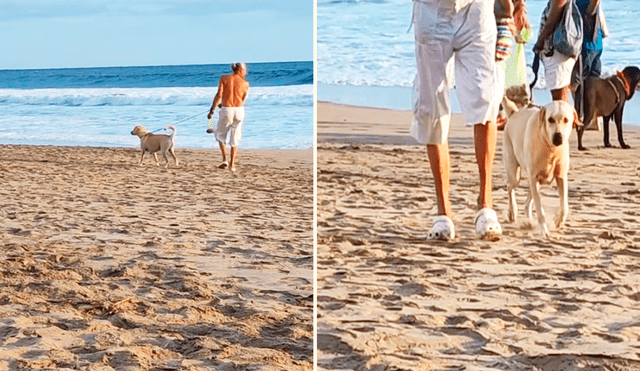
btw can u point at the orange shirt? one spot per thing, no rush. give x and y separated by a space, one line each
233 89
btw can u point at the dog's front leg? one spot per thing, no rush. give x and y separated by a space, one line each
155 155
141 158
618 118
513 206
513 177
563 192
535 193
605 129
527 207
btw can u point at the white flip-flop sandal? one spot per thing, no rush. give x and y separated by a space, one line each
487 225
442 229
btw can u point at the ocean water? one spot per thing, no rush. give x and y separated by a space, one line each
366 51
100 106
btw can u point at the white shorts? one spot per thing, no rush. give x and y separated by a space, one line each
445 39
230 123
557 70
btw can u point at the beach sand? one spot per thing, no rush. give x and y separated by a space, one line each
107 265
388 299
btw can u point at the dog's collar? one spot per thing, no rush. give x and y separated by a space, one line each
625 83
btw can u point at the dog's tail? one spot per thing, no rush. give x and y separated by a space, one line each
173 128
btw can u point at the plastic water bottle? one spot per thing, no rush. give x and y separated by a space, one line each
211 126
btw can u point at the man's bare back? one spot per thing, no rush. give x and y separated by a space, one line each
234 90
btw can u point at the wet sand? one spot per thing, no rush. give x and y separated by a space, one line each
106 265
388 299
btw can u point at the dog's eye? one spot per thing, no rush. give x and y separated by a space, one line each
566 120
551 120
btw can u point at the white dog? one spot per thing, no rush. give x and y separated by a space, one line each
154 143
536 141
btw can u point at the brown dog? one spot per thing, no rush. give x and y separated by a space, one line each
606 98
154 143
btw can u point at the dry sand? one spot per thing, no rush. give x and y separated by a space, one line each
106 265
388 299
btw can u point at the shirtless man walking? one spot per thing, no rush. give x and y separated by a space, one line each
232 91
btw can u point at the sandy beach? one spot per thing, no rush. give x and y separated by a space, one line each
388 299
107 265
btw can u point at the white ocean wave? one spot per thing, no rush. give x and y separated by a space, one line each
276 117
293 94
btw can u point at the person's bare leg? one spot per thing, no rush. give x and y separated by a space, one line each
232 161
485 137
561 94
223 149
440 167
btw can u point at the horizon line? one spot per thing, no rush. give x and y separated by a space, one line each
142 66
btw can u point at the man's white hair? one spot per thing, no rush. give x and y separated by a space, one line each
237 66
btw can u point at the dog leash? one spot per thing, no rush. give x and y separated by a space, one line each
188 118
535 67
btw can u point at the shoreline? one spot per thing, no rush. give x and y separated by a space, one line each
137 146
291 154
400 98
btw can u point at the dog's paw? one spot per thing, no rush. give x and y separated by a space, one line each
544 231
607 145
511 217
625 146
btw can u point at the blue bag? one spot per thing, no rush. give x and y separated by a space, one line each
567 37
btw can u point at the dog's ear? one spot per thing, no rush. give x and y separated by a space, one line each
509 106
634 79
543 116
576 120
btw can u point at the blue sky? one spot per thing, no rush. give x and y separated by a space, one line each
101 33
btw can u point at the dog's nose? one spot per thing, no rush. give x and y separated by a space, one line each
557 139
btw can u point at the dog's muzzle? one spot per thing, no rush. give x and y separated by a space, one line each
557 139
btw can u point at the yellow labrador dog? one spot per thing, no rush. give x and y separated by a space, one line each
536 141
154 143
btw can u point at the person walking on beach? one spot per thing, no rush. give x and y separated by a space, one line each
593 26
557 66
232 92
464 32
